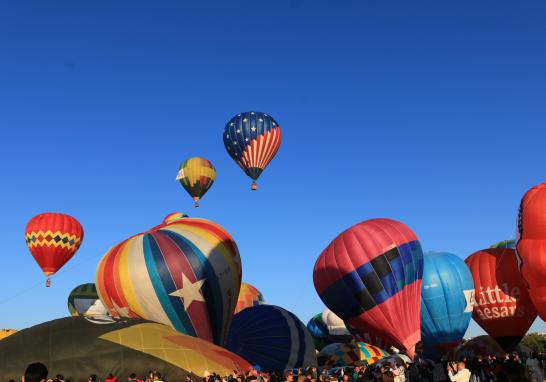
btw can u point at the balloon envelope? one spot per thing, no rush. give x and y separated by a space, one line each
185 274
505 244
248 296
531 244
447 296
52 239
370 276
503 306
84 301
271 337
5 333
80 346
350 354
252 139
196 175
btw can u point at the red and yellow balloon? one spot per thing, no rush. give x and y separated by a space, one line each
53 238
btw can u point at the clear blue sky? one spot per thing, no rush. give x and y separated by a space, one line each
429 112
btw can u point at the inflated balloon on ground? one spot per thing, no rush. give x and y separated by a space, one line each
248 296
350 354
185 274
84 301
447 297
272 338
81 346
531 244
370 276
503 306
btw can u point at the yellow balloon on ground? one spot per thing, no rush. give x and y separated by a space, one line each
4 333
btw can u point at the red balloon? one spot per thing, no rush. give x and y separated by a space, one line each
370 276
52 239
531 245
503 307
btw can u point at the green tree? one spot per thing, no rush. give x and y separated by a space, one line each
537 342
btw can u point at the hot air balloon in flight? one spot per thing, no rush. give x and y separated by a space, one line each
196 175
248 296
531 244
252 139
271 337
185 274
447 297
503 307
370 276
84 301
505 244
52 239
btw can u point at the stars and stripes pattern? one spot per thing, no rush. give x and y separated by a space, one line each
252 139
185 273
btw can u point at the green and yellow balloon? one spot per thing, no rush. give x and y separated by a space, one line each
196 175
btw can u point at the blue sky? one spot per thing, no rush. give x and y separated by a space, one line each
428 112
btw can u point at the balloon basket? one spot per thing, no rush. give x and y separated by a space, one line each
254 186
48 283
196 204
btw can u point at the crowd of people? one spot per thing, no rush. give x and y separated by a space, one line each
511 368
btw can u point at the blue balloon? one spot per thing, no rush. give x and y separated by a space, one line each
271 337
317 327
447 295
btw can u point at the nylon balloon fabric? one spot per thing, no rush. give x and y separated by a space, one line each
370 276
248 296
84 301
447 296
185 274
350 354
252 139
80 346
531 244
53 238
272 338
196 175
503 307
505 244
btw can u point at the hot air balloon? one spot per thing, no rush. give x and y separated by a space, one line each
5 333
185 274
447 297
350 354
503 306
248 296
84 301
272 338
252 139
196 175
174 216
531 244
53 239
370 276
318 331
80 346
505 244
483 346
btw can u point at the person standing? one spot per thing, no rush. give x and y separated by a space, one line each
458 372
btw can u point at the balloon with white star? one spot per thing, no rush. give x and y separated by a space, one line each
252 139
185 273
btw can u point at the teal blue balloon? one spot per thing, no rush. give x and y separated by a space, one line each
447 295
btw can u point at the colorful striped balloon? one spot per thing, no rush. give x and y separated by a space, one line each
185 274
248 296
351 354
196 175
252 139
